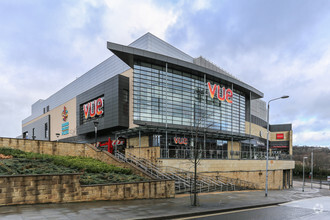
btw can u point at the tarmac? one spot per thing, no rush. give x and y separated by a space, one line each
180 206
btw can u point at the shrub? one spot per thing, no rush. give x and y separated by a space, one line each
79 163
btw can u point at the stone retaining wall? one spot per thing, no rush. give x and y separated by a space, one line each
32 189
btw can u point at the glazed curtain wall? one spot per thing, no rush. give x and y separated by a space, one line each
183 99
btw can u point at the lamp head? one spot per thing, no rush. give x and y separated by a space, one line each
285 97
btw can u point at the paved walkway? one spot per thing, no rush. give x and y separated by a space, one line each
160 208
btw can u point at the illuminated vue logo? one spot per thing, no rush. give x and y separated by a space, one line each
93 108
178 140
222 93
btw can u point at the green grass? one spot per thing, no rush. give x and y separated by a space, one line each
94 171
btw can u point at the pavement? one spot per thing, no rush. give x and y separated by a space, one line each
162 208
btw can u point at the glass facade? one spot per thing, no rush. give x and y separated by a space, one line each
181 98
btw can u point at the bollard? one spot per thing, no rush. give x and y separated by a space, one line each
320 184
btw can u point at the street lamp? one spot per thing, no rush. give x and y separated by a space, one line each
311 170
283 97
95 125
303 173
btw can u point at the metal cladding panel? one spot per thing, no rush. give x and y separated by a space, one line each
258 121
280 127
152 43
279 143
123 103
39 129
258 109
110 90
105 70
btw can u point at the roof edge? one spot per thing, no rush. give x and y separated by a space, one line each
127 55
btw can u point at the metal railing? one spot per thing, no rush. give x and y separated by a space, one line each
184 180
221 154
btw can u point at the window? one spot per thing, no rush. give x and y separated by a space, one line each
46 130
33 137
156 140
125 95
47 108
179 98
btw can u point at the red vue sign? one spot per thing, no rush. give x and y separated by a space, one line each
178 140
221 92
93 108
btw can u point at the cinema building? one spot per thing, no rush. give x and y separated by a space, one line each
161 103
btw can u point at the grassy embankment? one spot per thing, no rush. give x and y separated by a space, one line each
94 171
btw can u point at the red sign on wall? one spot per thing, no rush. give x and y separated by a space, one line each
222 92
280 136
280 147
178 140
93 108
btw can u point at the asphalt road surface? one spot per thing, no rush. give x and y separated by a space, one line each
307 209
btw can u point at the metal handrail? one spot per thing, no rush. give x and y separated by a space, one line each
183 178
152 169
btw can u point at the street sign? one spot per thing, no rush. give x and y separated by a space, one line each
328 179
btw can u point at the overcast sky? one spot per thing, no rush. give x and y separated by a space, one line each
280 47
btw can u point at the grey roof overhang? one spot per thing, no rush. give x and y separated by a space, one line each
128 54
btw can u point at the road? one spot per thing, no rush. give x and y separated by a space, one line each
307 209
181 206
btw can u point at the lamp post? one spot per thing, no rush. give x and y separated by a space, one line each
303 173
95 125
283 97
312 169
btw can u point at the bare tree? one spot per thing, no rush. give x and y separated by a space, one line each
199 117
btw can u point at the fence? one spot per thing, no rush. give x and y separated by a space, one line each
222 154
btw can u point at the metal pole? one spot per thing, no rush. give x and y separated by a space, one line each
231 122
139 143
312 170
303 174
250 128
283 97
204 144
95 136
266 192
205 115
116 143
166 146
